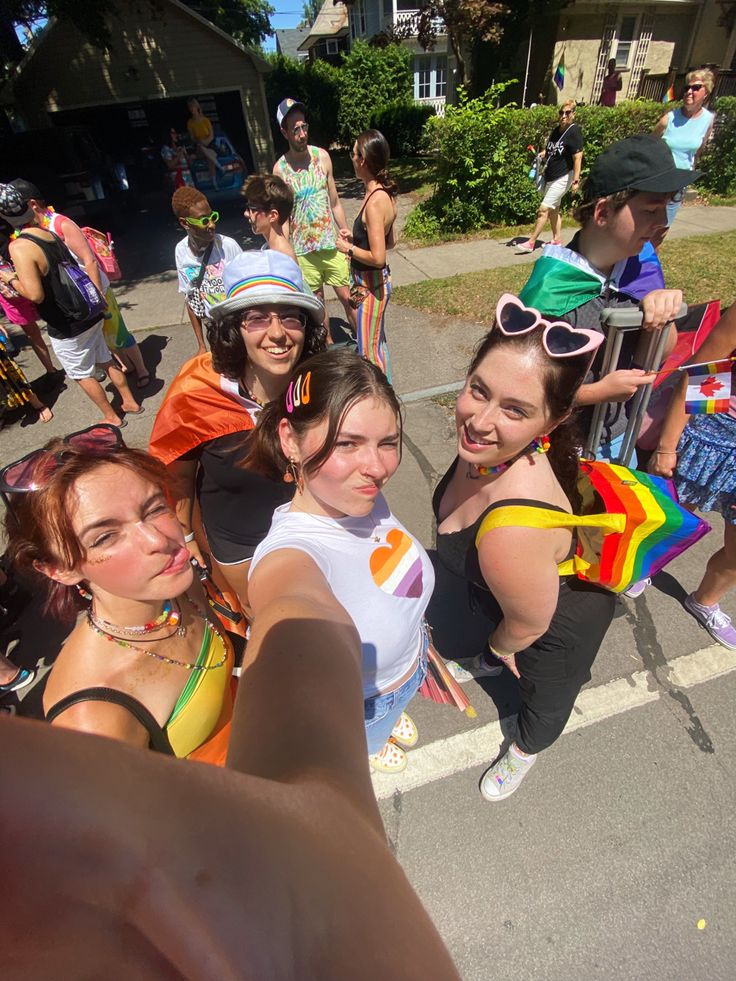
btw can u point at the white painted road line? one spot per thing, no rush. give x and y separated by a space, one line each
442 758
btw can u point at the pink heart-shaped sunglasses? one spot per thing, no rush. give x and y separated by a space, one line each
559 339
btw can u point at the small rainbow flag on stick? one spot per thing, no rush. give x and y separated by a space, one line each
669 95
559 76
708 387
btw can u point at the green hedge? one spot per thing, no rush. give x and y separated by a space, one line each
483 161
718 163
402 123
371 79
317 85
342 102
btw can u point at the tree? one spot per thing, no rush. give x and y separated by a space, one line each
245 20
465 21
310 9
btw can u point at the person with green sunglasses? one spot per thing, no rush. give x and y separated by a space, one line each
200 256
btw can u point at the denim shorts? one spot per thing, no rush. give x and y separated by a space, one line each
381 712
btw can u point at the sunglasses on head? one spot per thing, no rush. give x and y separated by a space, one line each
695 87
33 471
212 218
559 339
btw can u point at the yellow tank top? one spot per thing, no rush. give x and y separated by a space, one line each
199 129
203 709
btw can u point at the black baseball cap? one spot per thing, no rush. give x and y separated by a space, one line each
285 107
638 163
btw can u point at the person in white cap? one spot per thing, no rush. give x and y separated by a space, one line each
268 322
317 207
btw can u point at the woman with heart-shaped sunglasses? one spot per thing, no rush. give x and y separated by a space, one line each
336 433
516 468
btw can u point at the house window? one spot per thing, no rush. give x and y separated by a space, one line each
430 77
357 19
440 84
332 47
625 41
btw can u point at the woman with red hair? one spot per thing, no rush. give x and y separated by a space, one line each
144 665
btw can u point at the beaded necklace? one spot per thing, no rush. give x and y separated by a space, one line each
169 617
161 657
540 445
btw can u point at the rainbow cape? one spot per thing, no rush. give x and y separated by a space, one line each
563 280
200 405
656 528
630 526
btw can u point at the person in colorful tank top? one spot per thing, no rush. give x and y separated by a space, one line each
145 663
317 208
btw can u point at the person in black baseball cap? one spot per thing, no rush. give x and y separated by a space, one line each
639 163
623 213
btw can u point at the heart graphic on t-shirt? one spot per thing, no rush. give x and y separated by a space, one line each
397 566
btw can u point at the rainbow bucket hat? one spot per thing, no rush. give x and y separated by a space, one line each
265 277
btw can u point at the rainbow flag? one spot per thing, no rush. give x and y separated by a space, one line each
656 528
629 527
708 387
559 76
669 95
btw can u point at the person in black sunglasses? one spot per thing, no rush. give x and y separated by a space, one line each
686 130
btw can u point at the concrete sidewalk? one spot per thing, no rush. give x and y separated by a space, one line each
153 302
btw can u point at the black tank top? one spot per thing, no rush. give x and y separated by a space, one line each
56 320
360 234
456 549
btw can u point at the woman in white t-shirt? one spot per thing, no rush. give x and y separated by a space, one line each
200 257
336 432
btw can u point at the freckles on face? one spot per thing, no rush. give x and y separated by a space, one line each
132 541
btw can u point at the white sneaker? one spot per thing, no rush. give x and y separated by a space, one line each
506 774
470 668
637 588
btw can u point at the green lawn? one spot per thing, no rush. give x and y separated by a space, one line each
702 267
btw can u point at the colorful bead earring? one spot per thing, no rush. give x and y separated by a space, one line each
540 445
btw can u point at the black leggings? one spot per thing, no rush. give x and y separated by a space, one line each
555 667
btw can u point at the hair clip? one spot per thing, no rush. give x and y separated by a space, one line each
559 339
299 392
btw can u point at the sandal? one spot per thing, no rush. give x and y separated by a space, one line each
405 731
143 381
391 759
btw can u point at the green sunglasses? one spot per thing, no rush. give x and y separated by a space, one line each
203 222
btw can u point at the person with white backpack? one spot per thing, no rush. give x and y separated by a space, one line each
47 274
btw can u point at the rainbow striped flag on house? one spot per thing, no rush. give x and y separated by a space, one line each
669 95
559 76
708 387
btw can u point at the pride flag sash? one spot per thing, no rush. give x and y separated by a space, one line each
630 526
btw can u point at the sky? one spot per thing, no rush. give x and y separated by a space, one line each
288 14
